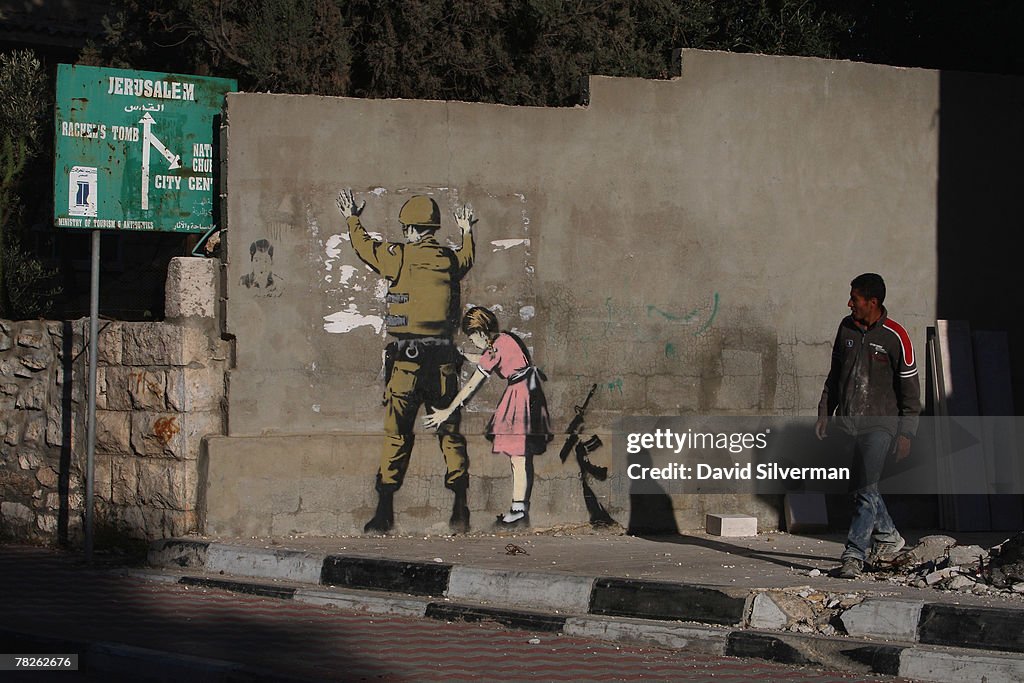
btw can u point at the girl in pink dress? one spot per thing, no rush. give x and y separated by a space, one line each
520 427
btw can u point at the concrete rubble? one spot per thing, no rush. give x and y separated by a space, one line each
935 562
938 562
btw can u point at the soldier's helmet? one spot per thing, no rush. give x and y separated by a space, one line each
421 212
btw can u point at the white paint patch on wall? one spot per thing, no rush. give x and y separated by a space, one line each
350 319
333 250
502 245
527 312
346 274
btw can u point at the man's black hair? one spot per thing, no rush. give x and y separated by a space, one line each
870 286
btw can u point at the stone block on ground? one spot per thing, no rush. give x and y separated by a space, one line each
731 525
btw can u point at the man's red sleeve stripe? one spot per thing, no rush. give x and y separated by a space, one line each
908 347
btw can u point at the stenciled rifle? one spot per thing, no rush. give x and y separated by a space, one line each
583 448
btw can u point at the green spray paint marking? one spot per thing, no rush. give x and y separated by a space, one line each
714 312
670 350
617 384
668 316
689 317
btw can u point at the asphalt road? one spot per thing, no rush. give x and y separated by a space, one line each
50 595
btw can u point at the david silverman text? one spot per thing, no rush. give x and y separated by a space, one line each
764 471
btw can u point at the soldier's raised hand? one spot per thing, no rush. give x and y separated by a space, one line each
464 217
347 203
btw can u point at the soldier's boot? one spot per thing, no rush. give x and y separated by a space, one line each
459 522
384 518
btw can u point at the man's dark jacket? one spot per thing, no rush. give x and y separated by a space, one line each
873 383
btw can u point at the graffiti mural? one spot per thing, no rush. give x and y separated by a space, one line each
421 362
582 449
261 278
519 427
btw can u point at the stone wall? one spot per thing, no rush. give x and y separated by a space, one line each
160 390
40 489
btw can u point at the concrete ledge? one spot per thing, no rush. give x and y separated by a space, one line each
987 628
560 592
795 648
529 621
957 666
288 565
658 600
262 590
374 604
878 618
692 638
416 578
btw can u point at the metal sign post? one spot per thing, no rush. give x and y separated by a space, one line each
90 467
134 151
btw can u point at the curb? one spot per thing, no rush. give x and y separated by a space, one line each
918 661
934 642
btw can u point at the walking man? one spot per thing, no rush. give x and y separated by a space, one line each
874 392
422 363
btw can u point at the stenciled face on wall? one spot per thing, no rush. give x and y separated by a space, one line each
261 278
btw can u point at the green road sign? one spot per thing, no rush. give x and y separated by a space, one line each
134 149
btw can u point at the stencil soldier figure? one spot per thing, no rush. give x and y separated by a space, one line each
422 363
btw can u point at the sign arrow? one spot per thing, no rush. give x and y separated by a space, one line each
148 139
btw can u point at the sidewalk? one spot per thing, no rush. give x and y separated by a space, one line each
766 597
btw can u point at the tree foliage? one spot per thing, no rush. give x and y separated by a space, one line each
24 104
534 52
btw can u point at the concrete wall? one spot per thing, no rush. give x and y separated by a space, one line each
160 390
686 245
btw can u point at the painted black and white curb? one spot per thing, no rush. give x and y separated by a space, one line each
930 642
